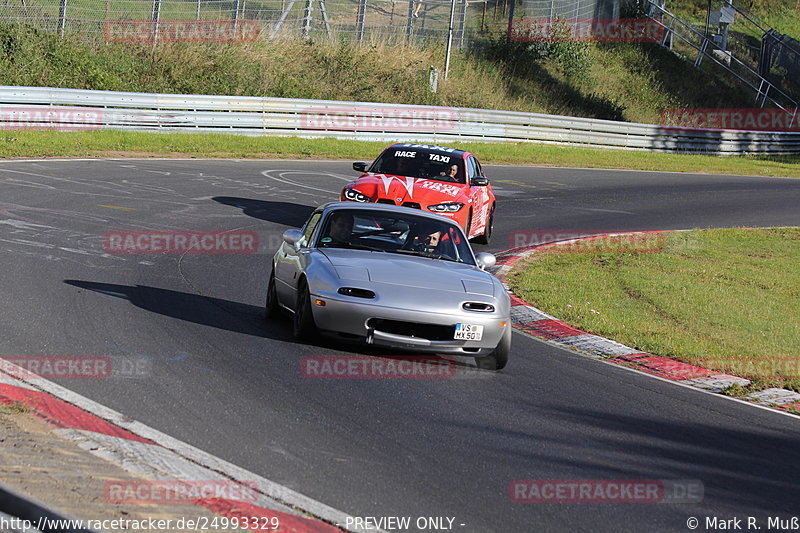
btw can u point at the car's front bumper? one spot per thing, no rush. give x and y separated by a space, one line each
353 318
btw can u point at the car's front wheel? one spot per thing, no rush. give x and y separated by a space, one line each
271 307
303 326
498 359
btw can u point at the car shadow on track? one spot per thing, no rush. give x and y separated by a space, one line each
195 308
285 213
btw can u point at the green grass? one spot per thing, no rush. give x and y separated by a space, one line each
14 408
110 143
722 299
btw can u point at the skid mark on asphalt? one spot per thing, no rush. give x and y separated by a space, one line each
117 207
283 179
243 186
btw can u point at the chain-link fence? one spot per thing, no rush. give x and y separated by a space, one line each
409 21
780 62
394 21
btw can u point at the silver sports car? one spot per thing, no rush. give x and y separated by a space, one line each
391 276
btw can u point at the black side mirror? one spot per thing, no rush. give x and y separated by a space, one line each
479 181
360 166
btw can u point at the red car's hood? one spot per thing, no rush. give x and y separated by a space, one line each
404 189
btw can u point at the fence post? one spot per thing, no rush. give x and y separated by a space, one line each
156 18
409 23
362 12
464 4
511 18
307 20
62 17
449 38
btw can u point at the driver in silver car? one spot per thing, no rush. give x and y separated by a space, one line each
426 237
340 229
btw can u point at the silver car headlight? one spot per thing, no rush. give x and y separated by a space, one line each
355 196
478 306
356 292
449 207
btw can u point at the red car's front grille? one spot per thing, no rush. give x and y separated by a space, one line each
415 205
385 201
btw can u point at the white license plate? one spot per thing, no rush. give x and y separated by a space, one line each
468 332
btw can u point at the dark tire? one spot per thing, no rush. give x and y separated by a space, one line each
271 307
487 233
498 359
303 326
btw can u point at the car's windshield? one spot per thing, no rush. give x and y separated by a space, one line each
395 233
420 163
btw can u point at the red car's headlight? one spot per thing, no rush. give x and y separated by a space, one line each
355 196
450 207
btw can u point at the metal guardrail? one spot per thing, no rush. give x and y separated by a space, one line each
75 109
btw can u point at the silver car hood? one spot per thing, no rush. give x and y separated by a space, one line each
409 271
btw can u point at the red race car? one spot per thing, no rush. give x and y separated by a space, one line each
441 180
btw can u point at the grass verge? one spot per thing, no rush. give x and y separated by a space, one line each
723 299
110 143
15 408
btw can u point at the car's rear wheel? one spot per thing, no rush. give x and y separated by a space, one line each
487 232
271 307
303 326
498 359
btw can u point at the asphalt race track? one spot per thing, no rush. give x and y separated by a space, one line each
202 365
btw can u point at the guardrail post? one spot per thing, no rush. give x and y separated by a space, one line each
235 10
62 17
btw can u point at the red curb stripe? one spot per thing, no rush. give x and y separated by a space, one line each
787 406
289 523
62 414
550 329
664 367
516 300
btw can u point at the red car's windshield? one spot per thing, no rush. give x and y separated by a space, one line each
420 163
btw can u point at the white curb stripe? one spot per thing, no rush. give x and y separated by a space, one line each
774 396
594 345
182 452
525 313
